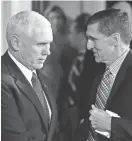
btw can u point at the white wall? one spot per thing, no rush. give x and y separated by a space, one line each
10 8
71 8
93 6
74 8
5 14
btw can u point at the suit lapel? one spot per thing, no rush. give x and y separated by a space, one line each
25 86
119 78
51 101
94 89
31 95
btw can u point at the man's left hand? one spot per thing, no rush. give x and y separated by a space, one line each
100 119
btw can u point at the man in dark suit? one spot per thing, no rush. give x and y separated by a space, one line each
28 107
109 117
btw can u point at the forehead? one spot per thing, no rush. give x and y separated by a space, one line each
92 30
42 33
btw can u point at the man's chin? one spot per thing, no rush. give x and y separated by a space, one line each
97 60
40 66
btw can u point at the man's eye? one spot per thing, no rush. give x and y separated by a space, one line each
91 38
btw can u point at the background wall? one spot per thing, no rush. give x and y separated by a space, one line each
10 8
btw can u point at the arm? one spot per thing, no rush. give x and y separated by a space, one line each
12 128
121 129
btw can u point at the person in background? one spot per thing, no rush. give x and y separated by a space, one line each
28 108
57 64
109 118
69 118
126 6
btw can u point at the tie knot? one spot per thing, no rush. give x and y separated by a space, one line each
107 72
34 78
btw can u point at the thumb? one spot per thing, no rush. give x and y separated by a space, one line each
93 107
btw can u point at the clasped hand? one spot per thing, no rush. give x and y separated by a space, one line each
100 119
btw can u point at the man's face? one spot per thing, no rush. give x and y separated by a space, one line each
73 35
35 47
56 21
100 44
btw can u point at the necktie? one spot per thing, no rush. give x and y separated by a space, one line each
103 91
101 99
41 95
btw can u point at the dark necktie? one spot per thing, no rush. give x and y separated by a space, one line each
101 99
41 95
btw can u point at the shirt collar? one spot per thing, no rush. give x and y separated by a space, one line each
26 72
115 66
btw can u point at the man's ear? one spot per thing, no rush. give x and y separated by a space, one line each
115 39
15 42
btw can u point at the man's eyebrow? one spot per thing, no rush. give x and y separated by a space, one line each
93 38
44 42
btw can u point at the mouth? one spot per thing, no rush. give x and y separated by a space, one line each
41 60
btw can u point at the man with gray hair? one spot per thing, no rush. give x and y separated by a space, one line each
28 106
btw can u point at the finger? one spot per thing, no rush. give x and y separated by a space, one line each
91 111
91 118
93 107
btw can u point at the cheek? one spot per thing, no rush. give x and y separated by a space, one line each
33 55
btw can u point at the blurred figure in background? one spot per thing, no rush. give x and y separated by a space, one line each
125 6
57 19
53 65
69 118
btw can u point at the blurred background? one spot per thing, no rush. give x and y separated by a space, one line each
71 9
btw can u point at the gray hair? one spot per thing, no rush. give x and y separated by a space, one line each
24 21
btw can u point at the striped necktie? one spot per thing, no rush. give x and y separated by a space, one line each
41 95
101 99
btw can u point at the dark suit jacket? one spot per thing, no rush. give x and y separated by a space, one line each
23 118
119 101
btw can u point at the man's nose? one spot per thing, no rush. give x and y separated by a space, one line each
90 45
46 51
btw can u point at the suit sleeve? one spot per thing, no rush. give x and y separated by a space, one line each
12 128
121 129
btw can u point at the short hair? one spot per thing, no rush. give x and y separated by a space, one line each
113 21
23 21
56 9
81 22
